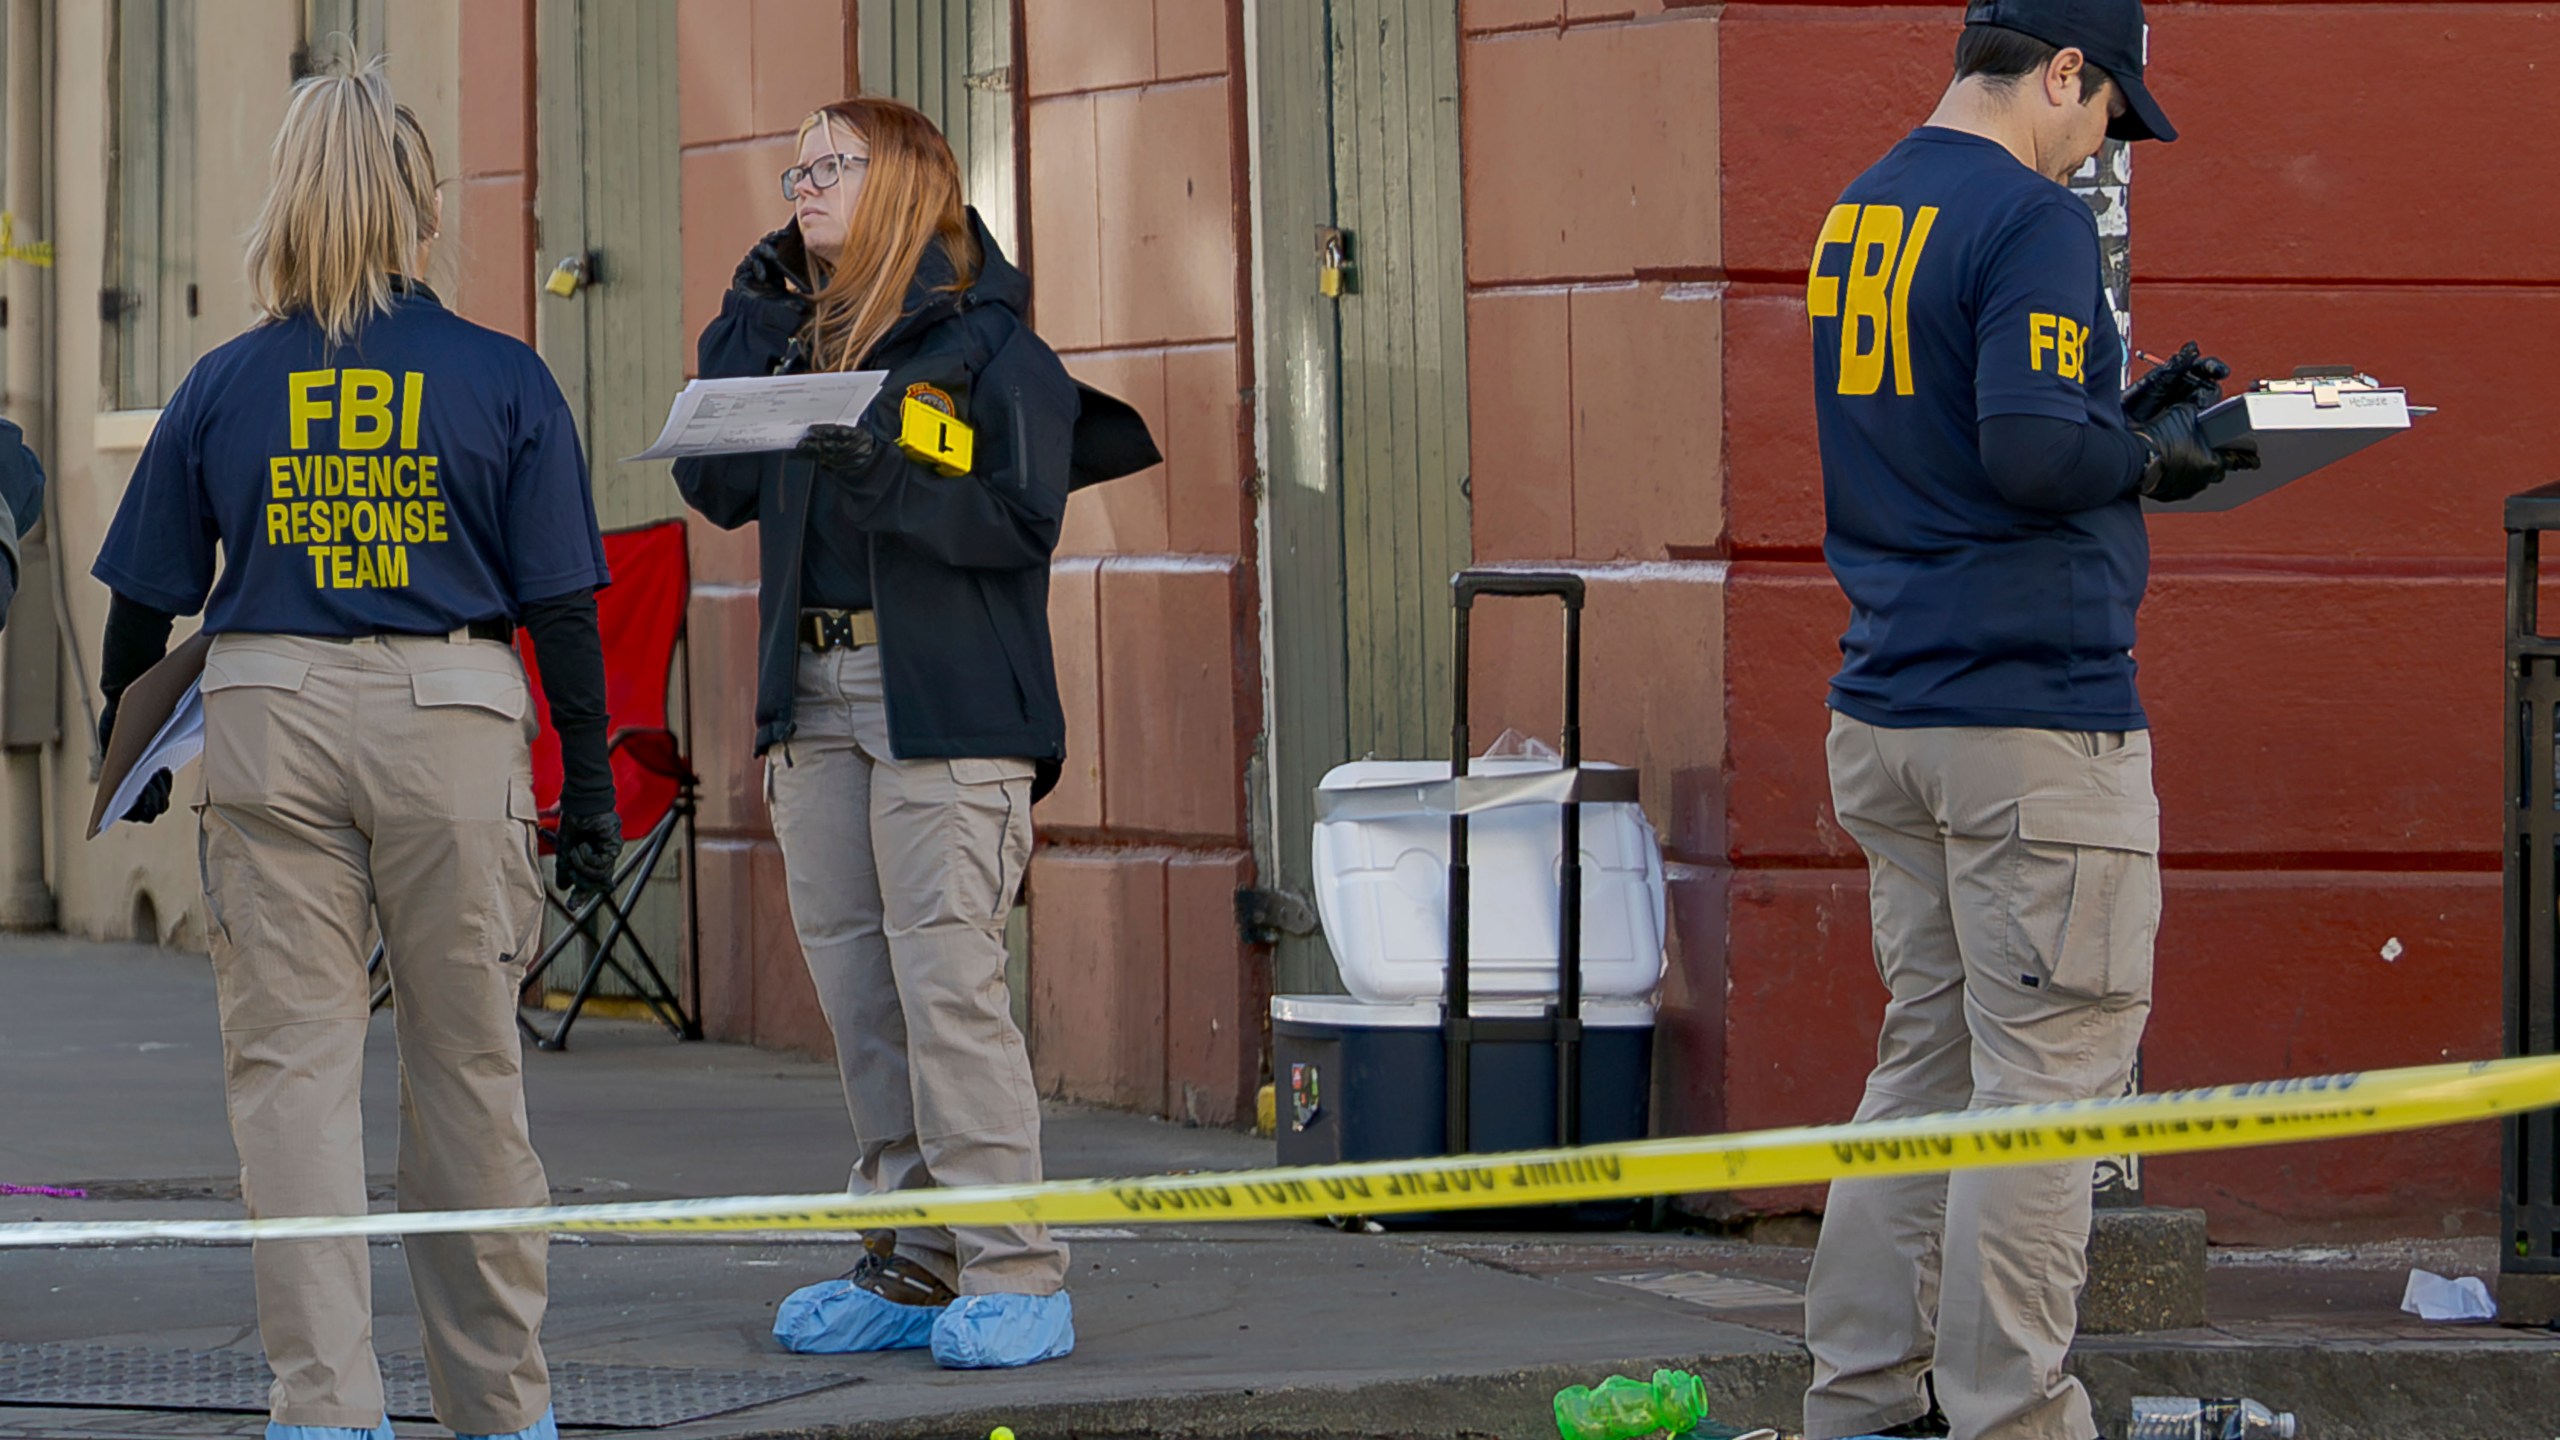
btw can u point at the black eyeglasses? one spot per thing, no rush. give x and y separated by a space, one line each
821 173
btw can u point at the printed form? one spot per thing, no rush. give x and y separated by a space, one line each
760 412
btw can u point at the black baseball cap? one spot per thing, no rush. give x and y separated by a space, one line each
2110 32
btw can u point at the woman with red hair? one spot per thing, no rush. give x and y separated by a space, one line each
907 700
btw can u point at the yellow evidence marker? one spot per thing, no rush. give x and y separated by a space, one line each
930 431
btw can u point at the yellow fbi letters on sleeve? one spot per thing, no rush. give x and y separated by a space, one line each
355 507
1884 251
2060 339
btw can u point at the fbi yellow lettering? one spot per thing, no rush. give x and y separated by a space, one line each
1822 292
364 409
355 506
413 396
302 406
1872 301
2063 338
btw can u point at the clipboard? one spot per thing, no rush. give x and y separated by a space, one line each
2310 422
142 712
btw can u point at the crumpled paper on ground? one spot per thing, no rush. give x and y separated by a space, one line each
2433 1297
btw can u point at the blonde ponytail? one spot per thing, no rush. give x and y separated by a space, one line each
351 202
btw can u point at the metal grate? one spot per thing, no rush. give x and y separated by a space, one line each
1711 1291
2532 1191
605 1397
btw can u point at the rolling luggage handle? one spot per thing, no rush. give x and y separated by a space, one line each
1563 1025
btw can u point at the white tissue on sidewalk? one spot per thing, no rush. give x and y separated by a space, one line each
2433 1297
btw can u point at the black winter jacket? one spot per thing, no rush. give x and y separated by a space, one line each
959 564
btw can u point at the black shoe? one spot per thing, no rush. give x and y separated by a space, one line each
892 1276
1932 1426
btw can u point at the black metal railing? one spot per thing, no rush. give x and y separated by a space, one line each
2529 1258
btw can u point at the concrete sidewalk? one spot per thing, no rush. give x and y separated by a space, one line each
109 1069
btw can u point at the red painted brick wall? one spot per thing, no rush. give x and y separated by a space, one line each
1141 992
489 208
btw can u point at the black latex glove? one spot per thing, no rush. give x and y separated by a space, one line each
153 802
589 845
849 448
2186 378
2182 465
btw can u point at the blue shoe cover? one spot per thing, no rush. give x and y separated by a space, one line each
545 1428
278 1430
838 1317
998 1332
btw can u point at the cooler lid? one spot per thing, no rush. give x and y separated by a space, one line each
1599 1013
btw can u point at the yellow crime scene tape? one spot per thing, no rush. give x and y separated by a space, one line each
2221 1117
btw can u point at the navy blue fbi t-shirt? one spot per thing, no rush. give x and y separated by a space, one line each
1952 283
423 476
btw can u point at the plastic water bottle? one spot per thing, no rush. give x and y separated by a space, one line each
1673 1402
2185 1417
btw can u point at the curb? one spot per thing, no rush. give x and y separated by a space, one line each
2408 1390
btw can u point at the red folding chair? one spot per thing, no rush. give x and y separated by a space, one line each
640 617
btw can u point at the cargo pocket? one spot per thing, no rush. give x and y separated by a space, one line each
523 886
495 691
2085 897
994 808
237 685
204 872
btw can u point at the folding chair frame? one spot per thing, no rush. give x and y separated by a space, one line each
629 879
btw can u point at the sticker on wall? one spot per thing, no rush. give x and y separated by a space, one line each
1306 1100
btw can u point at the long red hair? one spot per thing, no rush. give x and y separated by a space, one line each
910 195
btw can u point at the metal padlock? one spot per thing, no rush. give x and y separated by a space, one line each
1333 261
571 273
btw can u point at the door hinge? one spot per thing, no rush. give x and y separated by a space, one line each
1264 916
112 303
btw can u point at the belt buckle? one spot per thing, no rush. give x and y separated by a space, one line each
835 629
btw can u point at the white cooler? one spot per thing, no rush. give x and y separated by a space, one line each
1382 889
1365 1076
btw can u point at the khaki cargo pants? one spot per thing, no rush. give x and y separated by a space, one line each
901 874
2014 887
345 782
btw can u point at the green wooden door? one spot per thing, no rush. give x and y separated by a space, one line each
607 193
1365 513
953 59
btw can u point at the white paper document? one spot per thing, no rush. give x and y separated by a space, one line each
180 740
2433 1297
760 412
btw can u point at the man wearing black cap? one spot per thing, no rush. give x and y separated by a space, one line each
1983 483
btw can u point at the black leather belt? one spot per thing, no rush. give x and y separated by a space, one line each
824 630
502 631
